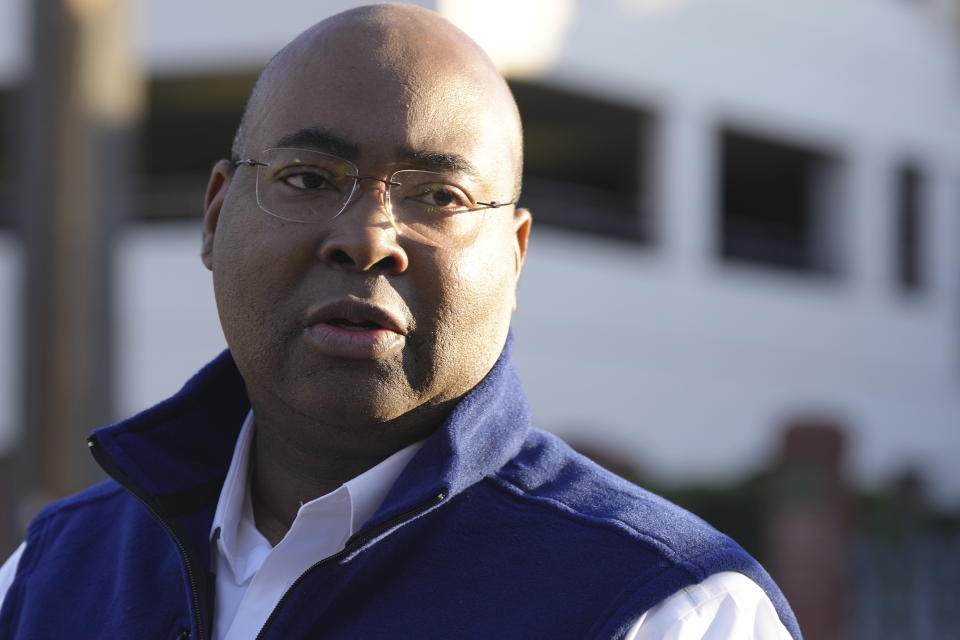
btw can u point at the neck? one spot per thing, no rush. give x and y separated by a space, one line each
292 463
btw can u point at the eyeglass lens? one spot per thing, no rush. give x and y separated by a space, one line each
301 185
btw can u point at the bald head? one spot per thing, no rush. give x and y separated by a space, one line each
421 61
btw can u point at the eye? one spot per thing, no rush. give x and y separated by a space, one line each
442 196
306 180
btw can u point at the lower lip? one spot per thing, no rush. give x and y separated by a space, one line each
343 343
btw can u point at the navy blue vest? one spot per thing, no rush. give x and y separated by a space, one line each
494 530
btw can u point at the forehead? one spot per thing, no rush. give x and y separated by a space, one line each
387 114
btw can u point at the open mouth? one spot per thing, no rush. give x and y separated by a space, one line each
354 329
349 325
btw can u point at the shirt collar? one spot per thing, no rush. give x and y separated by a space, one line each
230 505
233 528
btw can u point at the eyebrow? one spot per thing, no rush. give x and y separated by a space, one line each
324 140
321 140
438 161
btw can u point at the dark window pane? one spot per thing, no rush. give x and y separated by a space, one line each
770 211
7 218
908 244
582 161
189 125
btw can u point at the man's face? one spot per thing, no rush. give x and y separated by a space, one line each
280 286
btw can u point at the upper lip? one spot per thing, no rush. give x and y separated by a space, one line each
358 311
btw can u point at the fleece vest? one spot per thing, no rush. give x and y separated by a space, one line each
494 530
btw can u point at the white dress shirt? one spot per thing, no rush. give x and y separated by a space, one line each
725 606
252 576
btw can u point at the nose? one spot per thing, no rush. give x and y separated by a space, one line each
364 236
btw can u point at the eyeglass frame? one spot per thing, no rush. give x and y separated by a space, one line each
253 162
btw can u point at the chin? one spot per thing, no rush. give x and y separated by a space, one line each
354 403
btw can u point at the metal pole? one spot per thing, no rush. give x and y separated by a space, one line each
75 156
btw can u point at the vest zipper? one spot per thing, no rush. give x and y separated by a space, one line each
355 542
114 472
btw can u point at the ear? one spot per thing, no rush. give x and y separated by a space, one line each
522 221
220 177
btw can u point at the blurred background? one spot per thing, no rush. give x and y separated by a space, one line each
742 291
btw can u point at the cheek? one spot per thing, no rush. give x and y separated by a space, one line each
487 272
478 285
253 271
238 265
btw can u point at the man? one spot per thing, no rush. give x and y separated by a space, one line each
360 464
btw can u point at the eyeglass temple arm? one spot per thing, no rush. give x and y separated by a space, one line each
250 162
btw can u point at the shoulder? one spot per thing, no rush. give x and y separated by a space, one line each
73 527
103 530
78 519
569 486
646 545
91 497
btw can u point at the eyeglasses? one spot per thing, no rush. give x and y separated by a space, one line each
300 185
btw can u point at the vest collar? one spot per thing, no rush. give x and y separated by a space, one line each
482 432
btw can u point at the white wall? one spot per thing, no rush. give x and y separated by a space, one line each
691 365
168 326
